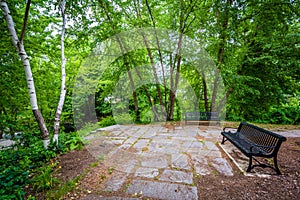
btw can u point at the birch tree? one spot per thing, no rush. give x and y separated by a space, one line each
18 43
63 74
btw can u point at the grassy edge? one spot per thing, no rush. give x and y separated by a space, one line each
62 190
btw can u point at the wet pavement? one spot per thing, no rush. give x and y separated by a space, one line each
157 161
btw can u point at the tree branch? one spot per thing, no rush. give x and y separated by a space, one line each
25 21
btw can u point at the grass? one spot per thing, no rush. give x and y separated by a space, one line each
62 190
101 157
110 170
102 178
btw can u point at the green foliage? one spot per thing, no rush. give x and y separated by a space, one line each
87 129
44 179
29 158
16 165
58 193
107 121
75 141
285 114
123 118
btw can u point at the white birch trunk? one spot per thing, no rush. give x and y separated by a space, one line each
63 76
29 78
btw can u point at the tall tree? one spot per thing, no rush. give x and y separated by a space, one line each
18 44
63 73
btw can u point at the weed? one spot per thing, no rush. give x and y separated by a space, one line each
102 178
101 157
75 142
201 140
145 149
94 164
44 179
110 170
126 187
215 172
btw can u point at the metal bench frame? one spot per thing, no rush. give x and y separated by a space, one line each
254 141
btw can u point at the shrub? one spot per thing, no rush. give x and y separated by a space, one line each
16 165
107 121
75 141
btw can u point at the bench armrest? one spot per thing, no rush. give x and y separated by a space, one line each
224 129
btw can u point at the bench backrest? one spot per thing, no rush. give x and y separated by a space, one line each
202 116
261 136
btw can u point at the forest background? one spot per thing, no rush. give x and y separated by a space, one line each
253 45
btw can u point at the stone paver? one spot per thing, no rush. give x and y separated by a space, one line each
158 162
116 182
176 176
222 166
141 144
180 161
96 197
201 165
146 172
155 161
162 190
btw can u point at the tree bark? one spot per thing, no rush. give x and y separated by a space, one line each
159 53
174 87
224 27
205 96
126 63
18 44
150 55
63 75
223 101
154 74
178 61
149 97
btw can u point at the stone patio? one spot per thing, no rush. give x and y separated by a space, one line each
158 162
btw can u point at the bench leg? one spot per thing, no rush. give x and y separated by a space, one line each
250 164
223 140
276 166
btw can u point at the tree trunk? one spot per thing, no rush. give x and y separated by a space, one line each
157 118
152 59
178 61
25 60
224 27
223 101
155 75
126 63
63 76
205 92
160 55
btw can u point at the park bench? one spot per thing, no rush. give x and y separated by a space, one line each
201 116
254 141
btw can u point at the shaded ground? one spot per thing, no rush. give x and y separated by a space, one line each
240 186
212 186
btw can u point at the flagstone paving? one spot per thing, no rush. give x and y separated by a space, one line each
158 162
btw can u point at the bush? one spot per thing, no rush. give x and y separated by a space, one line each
74 141
16 165
283 115
107 121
